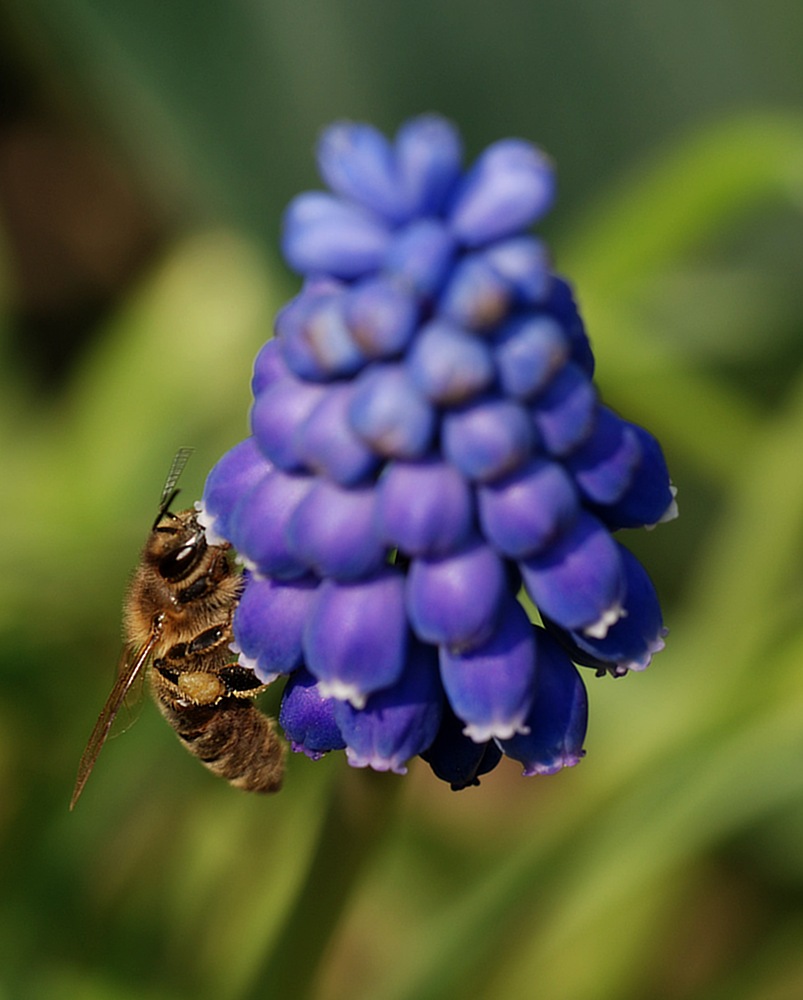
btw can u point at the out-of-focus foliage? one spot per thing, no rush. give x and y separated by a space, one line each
670 863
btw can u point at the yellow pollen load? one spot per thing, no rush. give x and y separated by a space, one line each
201 687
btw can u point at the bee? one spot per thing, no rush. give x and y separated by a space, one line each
177 621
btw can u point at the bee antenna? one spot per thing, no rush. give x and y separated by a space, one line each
169 490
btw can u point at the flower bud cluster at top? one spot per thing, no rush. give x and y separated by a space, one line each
426 440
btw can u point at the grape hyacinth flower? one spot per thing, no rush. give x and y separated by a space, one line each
427 441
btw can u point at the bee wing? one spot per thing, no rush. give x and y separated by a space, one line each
130 667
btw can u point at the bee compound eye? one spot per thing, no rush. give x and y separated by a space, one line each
177 564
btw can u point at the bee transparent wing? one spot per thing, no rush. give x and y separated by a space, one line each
130 667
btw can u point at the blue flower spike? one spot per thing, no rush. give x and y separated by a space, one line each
427 439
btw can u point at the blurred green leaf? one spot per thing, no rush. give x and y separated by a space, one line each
171 371
694 193
167 886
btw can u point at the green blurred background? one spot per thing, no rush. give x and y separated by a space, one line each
146 152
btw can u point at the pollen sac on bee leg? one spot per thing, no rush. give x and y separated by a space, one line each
200 687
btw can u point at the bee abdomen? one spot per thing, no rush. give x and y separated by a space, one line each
234 740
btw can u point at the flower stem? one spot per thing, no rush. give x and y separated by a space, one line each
358 814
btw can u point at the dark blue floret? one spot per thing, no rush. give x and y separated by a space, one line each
234 475
397 722
490 685
335 531
358 163
649 497
488 437
390 414
430 154
526 511
529 351
268 366
454 600
455 758
632 641
315 338
420 257
605 464
324 235
326 442
449 365
427 439
308 718
425 507
269 622
380 316
356 636
258 525
556 724
508 189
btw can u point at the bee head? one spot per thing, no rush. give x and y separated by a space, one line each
177 542
176 545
